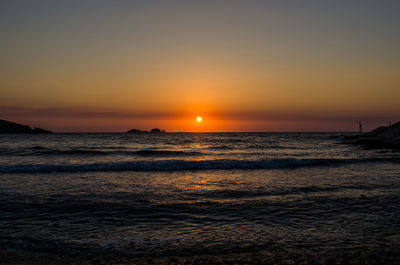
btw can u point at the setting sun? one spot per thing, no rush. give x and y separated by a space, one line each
199 119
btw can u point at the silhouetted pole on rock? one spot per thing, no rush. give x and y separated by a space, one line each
360 125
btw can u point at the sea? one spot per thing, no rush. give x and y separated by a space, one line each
210 198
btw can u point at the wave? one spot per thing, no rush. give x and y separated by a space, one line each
272 146
145 152
179 165
220 147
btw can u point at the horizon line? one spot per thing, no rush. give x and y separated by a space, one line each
147 132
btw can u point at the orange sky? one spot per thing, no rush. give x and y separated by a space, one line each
260 66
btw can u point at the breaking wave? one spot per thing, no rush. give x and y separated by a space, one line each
46 151
179 165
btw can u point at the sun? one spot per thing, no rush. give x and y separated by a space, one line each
199 119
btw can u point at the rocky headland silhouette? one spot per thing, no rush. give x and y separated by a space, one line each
381 137
13 127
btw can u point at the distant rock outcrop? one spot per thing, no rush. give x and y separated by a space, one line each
40 130
136 131
12 127
155 130
381 137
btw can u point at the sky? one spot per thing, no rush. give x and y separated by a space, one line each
110 66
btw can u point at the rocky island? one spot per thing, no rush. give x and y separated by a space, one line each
136 131
155 130
12 127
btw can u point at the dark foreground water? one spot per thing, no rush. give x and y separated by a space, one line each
267 198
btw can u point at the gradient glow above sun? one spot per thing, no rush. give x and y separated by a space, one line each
199 119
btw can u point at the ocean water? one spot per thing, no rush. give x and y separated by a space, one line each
155 196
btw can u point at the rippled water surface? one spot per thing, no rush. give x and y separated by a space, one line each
155 195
